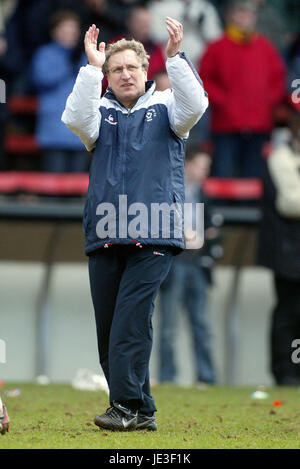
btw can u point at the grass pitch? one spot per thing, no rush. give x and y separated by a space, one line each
57 416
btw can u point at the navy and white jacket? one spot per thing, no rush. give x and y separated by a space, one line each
138 156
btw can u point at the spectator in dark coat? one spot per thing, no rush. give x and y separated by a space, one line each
271 24
293 63
110 16
279 250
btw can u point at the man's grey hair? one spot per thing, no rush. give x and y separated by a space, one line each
124 44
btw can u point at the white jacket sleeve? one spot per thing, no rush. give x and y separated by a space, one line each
82 115
188 101
284 167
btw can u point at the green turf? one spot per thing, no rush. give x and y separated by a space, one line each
57 416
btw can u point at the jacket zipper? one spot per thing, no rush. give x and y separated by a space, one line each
124 153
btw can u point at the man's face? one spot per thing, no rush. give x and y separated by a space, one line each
198 169
244 18
126 77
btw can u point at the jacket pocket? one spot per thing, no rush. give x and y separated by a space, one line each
87 220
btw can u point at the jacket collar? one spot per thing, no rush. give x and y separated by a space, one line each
149 87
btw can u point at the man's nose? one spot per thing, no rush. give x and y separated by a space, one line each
125 73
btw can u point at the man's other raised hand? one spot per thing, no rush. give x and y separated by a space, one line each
95 55
175 31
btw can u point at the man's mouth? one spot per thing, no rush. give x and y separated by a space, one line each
127 85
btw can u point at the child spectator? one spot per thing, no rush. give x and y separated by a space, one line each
188 281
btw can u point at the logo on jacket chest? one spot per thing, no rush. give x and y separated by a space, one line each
110 119
150 114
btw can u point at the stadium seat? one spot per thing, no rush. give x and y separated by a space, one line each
44 183
22 104
233 189
23 143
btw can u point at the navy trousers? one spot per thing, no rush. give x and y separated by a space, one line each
124 283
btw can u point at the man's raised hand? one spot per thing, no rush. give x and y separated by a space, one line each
175 31
96 56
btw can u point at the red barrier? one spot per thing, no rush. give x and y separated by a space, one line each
22 104
234 189
77 184
21 144
44 183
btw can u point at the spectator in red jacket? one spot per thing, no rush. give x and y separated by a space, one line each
245 80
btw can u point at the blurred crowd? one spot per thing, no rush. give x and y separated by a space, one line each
247 53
